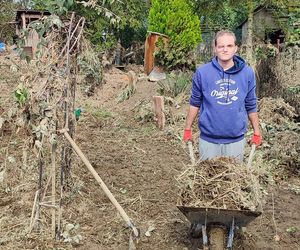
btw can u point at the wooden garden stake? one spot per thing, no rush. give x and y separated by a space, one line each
159 111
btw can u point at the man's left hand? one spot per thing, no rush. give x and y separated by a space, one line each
256 139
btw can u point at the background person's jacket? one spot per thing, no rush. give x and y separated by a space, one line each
225 99
2 46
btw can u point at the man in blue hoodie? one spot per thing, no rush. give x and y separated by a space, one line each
223 93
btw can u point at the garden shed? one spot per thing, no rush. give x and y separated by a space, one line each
265 26
23 18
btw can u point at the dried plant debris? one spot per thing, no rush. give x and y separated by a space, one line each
281 134
283 149
143 112
275 111
221 183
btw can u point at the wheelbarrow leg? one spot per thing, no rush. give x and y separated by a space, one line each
231 235
204 238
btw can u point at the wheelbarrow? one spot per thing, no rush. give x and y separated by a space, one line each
219 222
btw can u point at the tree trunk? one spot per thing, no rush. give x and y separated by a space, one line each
249 41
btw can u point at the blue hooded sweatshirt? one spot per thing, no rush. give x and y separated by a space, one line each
225 99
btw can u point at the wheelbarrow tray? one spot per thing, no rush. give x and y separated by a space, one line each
206 216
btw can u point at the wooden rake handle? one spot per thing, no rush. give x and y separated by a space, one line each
102 184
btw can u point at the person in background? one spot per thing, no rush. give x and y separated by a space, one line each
223 93
2 46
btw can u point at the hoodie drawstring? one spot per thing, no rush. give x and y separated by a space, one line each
227 99
228 80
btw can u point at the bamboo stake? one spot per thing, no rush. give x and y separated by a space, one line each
68 43
59 213
37 214
61 192
102 184
46 188
78 37
33 210
72 35
53 175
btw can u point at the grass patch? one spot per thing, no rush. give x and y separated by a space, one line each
126 93
177 83
99 113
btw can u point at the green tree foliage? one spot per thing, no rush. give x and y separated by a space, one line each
183 26
175 18
106 21
124 20
225 17
216 14
158 15
288 16
58 7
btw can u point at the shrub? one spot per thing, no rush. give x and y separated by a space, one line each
177 83
175 19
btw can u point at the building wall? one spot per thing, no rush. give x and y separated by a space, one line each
263 21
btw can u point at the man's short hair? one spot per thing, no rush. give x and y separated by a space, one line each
222 33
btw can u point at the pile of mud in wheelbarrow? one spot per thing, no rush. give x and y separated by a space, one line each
218 197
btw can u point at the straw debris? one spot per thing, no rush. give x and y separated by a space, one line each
220 183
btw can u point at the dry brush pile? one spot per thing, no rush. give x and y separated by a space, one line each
279 110
45 104
281 134
221 183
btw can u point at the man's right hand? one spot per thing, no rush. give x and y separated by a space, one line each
187 135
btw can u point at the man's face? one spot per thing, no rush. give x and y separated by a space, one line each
225 48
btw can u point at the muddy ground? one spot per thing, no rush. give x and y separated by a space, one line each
139 164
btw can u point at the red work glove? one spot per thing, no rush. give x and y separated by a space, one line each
187 135
256 139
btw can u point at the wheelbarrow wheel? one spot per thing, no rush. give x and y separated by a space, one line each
217 238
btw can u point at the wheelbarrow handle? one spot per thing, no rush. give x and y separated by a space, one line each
253 147
191 152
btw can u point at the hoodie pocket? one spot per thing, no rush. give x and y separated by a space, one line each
223 123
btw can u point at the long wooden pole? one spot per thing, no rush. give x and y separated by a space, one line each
53 175
102 184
